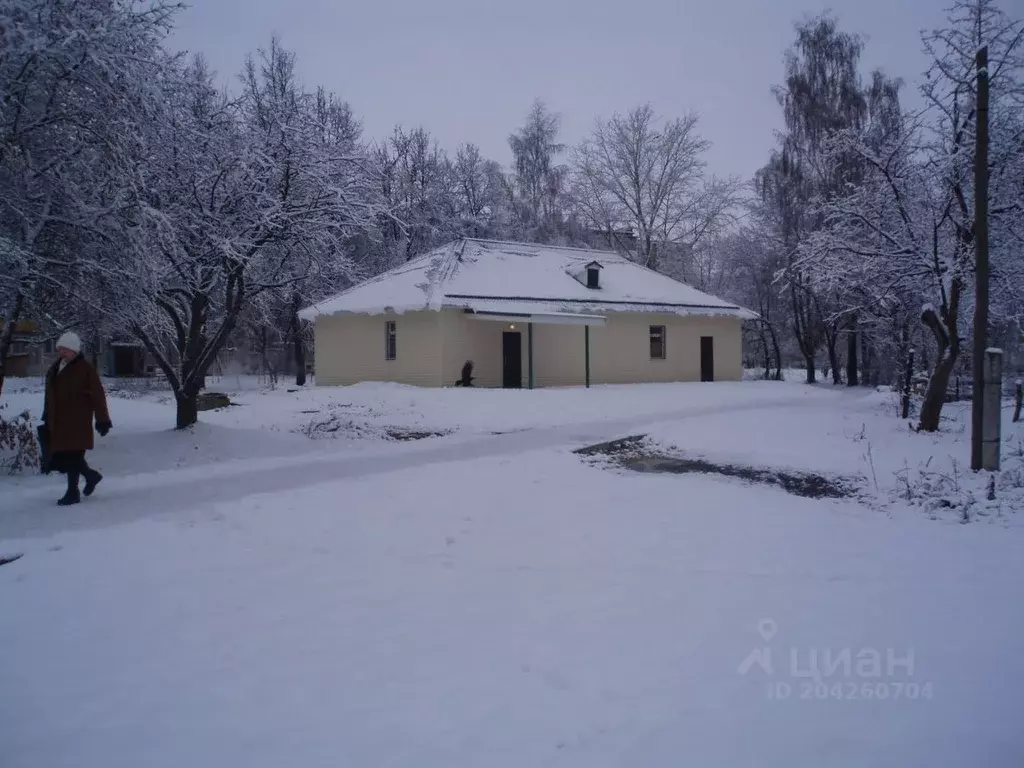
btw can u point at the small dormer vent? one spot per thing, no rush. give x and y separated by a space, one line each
593 275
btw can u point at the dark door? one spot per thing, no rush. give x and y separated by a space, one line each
124 361
512 359
707 358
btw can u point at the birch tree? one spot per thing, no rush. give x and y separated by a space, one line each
537 183
821 96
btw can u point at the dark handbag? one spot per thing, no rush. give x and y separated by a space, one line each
43 435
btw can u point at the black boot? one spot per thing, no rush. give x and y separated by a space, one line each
92 479
72 496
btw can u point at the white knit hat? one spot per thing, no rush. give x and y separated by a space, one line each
70 340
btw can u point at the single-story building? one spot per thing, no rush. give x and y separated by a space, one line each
527 315
33 351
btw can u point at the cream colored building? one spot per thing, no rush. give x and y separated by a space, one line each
526 315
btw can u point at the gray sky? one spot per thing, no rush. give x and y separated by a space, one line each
469 70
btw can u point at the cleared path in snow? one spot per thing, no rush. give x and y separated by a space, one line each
124 499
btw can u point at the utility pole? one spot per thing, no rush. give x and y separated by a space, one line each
981 261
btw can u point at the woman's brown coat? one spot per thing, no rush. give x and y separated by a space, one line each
73 397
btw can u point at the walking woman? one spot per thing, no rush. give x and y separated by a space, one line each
74 395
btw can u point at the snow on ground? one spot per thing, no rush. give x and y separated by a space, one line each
142 438
483 599
861 437
261 442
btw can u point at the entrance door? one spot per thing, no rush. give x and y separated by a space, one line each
512 359
124 361
707 358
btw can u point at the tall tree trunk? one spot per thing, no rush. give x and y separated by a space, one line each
267 368
187 410
803 328
300 360
298 343
812 369
935 394
7 336
202 378
981 265
778 353
767 355
832 339
869 363
852 340
947 340
95 352
908 378
195 349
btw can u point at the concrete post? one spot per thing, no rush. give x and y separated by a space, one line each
992 411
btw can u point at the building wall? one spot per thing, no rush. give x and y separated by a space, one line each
351 348
432 347
476 340
33 356
620 351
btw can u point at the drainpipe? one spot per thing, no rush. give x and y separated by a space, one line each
529 351
586 350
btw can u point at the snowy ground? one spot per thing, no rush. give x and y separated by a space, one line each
244 595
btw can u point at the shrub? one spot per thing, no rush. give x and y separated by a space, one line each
19 449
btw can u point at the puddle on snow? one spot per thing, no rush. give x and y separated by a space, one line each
636 454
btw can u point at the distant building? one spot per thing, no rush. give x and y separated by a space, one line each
32 353
619 238
27 351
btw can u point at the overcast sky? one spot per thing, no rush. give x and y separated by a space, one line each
468 71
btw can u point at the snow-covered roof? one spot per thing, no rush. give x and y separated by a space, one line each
521 278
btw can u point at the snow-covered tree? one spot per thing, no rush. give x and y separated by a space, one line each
72 79
536 187
639 172
752 256
821 96
418 192
316 132
887 244
239 198
480 192
901 235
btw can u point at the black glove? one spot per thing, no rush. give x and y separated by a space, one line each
103 427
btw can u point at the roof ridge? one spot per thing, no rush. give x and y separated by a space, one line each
629 302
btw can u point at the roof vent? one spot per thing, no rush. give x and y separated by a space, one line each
593 275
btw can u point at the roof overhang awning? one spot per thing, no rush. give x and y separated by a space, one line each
549 318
